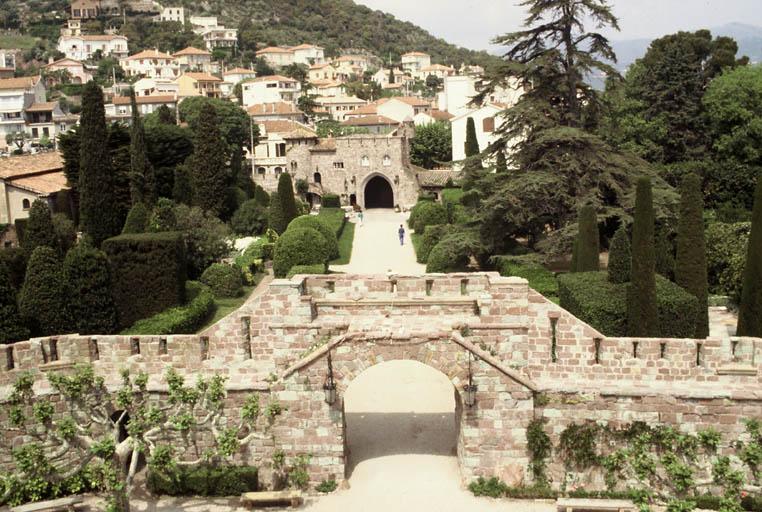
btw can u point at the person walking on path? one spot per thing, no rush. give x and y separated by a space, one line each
401 232
359 216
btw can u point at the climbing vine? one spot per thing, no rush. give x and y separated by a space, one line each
540 447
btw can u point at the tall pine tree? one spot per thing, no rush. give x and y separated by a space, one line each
142 179
750 312
285 203
501 166
642 316
99 208
588 248
208 163
690 266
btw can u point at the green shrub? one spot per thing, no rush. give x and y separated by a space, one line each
427 214
530 268
642 317
453 253
726 257
492 487
203 481
148 273
452 195
65 232
620 257
39 228
306 269
432 235
137 220
317 223
327 486
43 301
587 241
185 319
299 246
261 196
15 259
12 327
592 298
249 219
163 217
224 280
331 201
206 238
89 290
251 261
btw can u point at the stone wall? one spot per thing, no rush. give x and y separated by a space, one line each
521 347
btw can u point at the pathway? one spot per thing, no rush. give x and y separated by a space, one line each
376 248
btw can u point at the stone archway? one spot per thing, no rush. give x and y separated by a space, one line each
378 193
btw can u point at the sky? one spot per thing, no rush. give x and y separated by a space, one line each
472 23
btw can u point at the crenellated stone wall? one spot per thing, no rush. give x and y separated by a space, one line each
528 357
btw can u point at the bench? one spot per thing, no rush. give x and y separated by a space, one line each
68 504
593 505
265 498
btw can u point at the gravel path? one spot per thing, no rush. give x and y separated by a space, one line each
376 248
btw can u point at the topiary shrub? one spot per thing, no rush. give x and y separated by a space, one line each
88 287
148 273
325 229
299 246
185 319
43 302
331 201
249 219
261 196
12 327
592 298
203 481
432 235
206 238
750 310
427 214
620 257
163 217
318 268
137 220
65 231
642 315
453 253
39 228
224 280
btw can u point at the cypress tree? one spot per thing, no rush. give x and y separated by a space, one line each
142 179
588 246
241 174
88 286
43 301
286 204
501 166
391 76
472 144
137 220
642 317
274 215
261 196
165 115
750 311
472 165
208 163
620 257
39 228
12 326
182 189
100 215
690 267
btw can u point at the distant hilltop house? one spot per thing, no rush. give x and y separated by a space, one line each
26 178
372 171
198 84
120 108
89 9
338 107
279 56
413 62
83 47
151 64
270 89
174 13
76 71
195 59
214 34
7 63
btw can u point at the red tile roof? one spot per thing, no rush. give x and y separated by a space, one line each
280 107
373 120
191 51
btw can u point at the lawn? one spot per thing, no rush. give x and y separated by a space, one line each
223 307
17 41
345 231
452 195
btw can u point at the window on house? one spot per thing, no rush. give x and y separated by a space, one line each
280 149
387 160
25 204
365 161
338 165
261 171
317 178
278 171
294 166
488 124
46 132
35 133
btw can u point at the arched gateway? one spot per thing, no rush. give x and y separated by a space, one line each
379 193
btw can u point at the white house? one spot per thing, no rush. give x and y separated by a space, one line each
120 109
415 61
437 70
486 122
151 64
220 37
76 69
321 73
83 47
339 106
172 14
402 108
238 75
275 139
16 95
201 23
7 63
270 89
280 111
330 88
459 90
155 87
194 59
277 56
308 54
361 62
46 120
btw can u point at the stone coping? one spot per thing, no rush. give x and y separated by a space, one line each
403 301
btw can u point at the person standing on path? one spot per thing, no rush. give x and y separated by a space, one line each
359 215
401 232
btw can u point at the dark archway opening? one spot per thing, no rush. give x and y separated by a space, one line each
378 193
352 199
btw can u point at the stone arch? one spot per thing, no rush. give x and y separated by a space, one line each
378 192
492 433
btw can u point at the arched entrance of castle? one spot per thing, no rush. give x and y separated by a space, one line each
378 193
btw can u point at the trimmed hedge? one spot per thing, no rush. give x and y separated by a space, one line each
334 217
306 269
331 201
250 219
453 253
530 268
432 235
299 246
137 219
204 481
592 298
224 280
185 319
148 273
320 225
427 213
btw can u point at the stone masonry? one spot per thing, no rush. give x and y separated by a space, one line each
519 346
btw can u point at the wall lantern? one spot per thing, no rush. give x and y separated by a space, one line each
329 387
469 390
